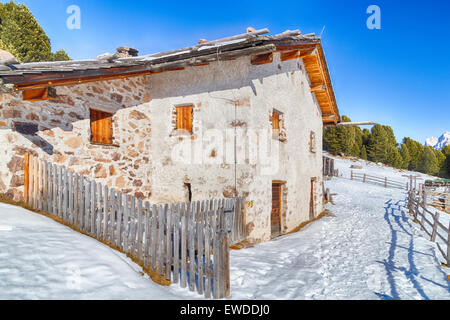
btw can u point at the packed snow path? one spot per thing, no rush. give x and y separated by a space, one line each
42 259
371 249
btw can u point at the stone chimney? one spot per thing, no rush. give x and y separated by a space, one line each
127 52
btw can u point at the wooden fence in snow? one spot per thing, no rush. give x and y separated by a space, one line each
188 243
417 207
379 180
439 200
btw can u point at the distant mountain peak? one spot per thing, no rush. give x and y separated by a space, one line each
439 143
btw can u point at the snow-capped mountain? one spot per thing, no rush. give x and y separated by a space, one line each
439 143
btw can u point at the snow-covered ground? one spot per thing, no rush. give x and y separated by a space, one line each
42 259
370 249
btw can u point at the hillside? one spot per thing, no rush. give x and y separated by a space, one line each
367 247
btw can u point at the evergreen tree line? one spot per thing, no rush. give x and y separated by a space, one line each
380 145
23 37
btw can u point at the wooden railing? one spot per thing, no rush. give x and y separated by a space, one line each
417 208
379 180
439 200
187 243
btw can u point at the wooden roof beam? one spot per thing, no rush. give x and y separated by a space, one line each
319 87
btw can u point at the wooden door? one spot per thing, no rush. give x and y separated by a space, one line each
275 218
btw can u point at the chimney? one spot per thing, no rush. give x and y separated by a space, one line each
127 52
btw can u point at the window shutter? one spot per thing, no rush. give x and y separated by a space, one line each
184 118
276 124
101 127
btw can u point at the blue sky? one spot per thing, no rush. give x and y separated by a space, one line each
398 76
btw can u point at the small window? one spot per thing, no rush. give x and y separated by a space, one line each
312 142
101 127
39 94
184 118
188 192
276 124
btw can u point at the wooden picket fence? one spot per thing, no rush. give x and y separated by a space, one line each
417 207
188 243
366 178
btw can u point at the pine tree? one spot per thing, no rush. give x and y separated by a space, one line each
446 153
394 157
377 149
406 158
23 37
363 153
415 151
428 162
60 55
441 162
366 136
340 140
356 152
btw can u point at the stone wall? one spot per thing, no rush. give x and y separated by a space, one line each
59 130
232 101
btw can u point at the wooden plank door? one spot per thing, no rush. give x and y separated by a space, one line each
275 218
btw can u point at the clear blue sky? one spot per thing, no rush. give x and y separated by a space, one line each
399 75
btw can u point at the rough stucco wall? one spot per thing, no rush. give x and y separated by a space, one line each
227 96
59 130
236 94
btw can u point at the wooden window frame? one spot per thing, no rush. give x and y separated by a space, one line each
39 94
184 121
282 210
276 123
101 140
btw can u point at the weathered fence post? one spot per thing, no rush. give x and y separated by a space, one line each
385 182
351 174
225 265
26 178
447 203
448 246
435 226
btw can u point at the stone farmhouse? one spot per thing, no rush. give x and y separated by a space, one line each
239 116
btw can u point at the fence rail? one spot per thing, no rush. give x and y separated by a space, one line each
379 180
417 207
439 200
187 243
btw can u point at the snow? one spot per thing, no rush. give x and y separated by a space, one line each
439 143
41 259
369 248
